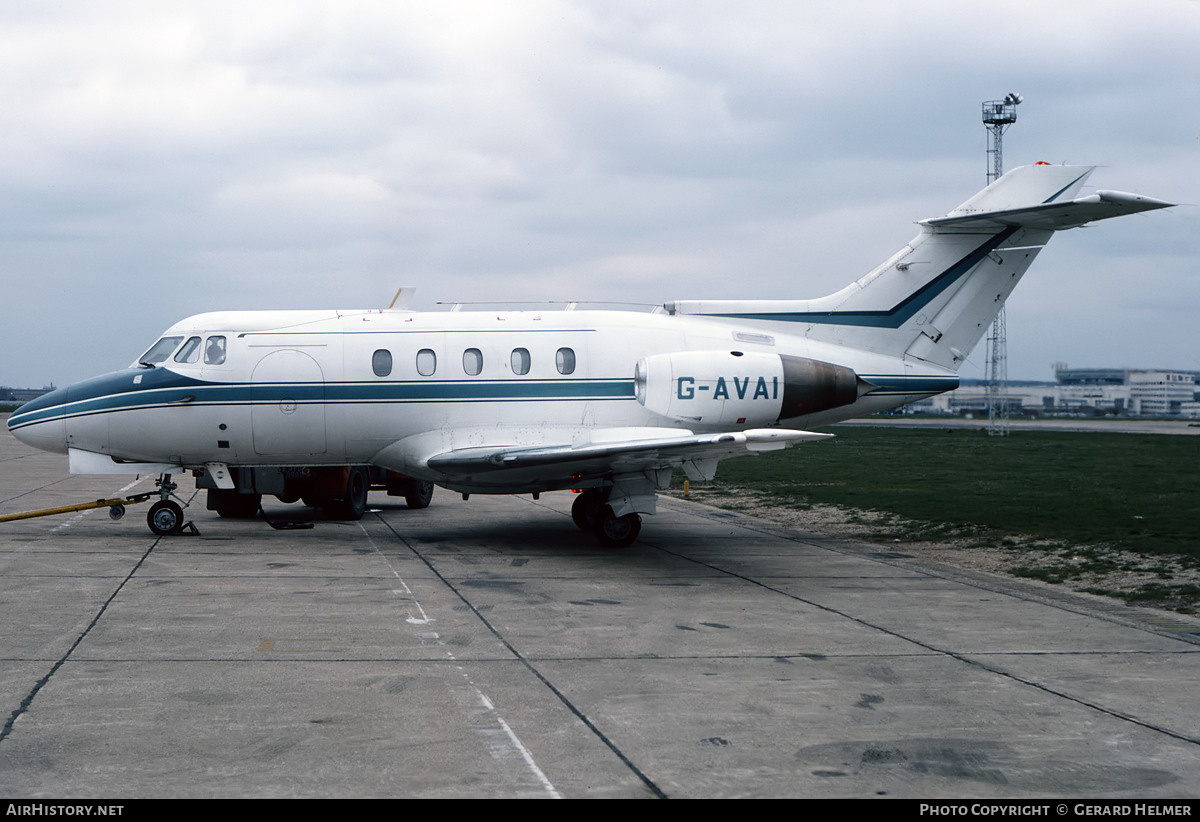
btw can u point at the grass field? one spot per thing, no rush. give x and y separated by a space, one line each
1089 496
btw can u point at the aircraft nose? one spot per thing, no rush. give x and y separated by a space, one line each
40 423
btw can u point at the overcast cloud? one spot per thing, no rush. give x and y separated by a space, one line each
160 159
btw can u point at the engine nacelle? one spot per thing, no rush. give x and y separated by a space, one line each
740 388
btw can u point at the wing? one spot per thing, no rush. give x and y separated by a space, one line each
607 453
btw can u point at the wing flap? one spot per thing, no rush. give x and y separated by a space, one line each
634 453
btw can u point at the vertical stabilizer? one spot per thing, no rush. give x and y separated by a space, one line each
934 299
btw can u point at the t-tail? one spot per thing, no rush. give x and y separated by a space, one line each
934 299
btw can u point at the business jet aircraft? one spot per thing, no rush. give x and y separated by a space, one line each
319 405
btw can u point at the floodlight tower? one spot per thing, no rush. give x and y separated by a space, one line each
998 115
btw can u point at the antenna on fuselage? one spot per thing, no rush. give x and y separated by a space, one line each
408 291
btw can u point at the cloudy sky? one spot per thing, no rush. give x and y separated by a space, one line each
159 159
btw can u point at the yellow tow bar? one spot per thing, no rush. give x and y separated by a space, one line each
116 507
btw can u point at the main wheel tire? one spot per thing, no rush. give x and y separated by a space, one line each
353 502
421 494
585 510
617 532
165 517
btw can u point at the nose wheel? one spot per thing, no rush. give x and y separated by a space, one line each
165 517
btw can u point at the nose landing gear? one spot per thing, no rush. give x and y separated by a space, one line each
165 517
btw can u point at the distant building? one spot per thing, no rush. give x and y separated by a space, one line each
1129 392
23 394
1161 393
1094 391
1090 376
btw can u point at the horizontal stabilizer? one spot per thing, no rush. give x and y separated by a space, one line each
1052 216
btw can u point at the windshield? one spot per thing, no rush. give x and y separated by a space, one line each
160 350
190 351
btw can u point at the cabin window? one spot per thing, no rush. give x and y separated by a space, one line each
190 352
472 361
160 350
214 351
381 362
520 360
565 361
426 362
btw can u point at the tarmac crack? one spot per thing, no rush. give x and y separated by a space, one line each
934 649
27 701
529 666
34 490
25 704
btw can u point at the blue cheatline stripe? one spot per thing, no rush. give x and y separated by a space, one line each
135 383
1058 193
162 389
219 394
902 311
902 384
235 394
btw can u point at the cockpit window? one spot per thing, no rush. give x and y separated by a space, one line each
160 350
190 352
214 351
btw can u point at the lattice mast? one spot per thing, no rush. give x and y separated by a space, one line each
998 115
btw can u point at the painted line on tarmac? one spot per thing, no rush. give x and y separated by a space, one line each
421 617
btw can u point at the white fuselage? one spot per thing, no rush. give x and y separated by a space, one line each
356 387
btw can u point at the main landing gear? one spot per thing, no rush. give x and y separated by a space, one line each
339 491
165 517
591 512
